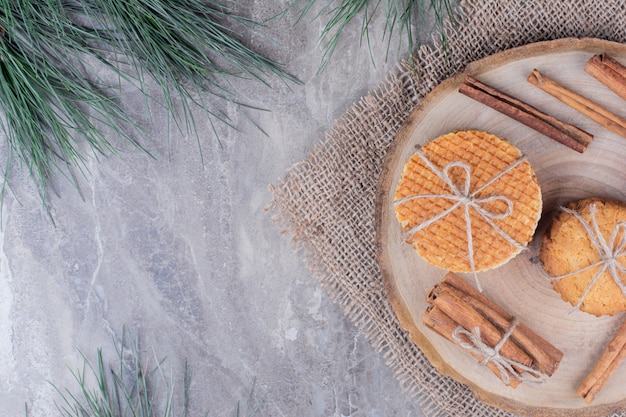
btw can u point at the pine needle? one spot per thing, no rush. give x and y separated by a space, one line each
400 15
129 386
55 112
49 102
189 47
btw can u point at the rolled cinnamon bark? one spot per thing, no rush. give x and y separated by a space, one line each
545 356
467 317
609 72
611 358
438 321
569 135
454 303
583 105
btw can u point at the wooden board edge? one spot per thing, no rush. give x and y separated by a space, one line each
542 48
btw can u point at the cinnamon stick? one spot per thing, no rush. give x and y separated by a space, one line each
611 358
609 72
562 132
468 318
438 321
545 355
454 303
583 105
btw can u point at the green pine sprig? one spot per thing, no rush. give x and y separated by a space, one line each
189 47
132 385
55 112
49 103
400 15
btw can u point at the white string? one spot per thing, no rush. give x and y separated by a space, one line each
466 198
507 367
608 252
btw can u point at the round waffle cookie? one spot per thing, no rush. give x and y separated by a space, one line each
468 201
573 247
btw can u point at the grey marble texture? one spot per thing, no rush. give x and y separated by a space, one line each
184 255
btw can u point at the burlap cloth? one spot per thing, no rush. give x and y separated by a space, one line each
327 201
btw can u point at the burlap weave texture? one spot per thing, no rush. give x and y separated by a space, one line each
328 200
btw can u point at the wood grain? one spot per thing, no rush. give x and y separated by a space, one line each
520 286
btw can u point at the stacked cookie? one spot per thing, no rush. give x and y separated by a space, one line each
469 201
584 252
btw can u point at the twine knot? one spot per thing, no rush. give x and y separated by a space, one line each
507 367
465 198
490 354
608 252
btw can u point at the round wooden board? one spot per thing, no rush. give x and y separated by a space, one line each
520 286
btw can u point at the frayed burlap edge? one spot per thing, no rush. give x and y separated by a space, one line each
327 201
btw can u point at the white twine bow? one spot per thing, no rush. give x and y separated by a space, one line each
608 251
464 197
507 367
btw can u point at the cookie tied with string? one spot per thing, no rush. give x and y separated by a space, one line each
584 251
468 201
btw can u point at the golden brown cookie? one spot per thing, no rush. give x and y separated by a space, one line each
569 246
435 198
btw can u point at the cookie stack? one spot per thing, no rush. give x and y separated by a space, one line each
468 201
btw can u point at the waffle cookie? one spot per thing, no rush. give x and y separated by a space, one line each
572 245
468 201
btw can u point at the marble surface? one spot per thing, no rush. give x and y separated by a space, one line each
184 255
